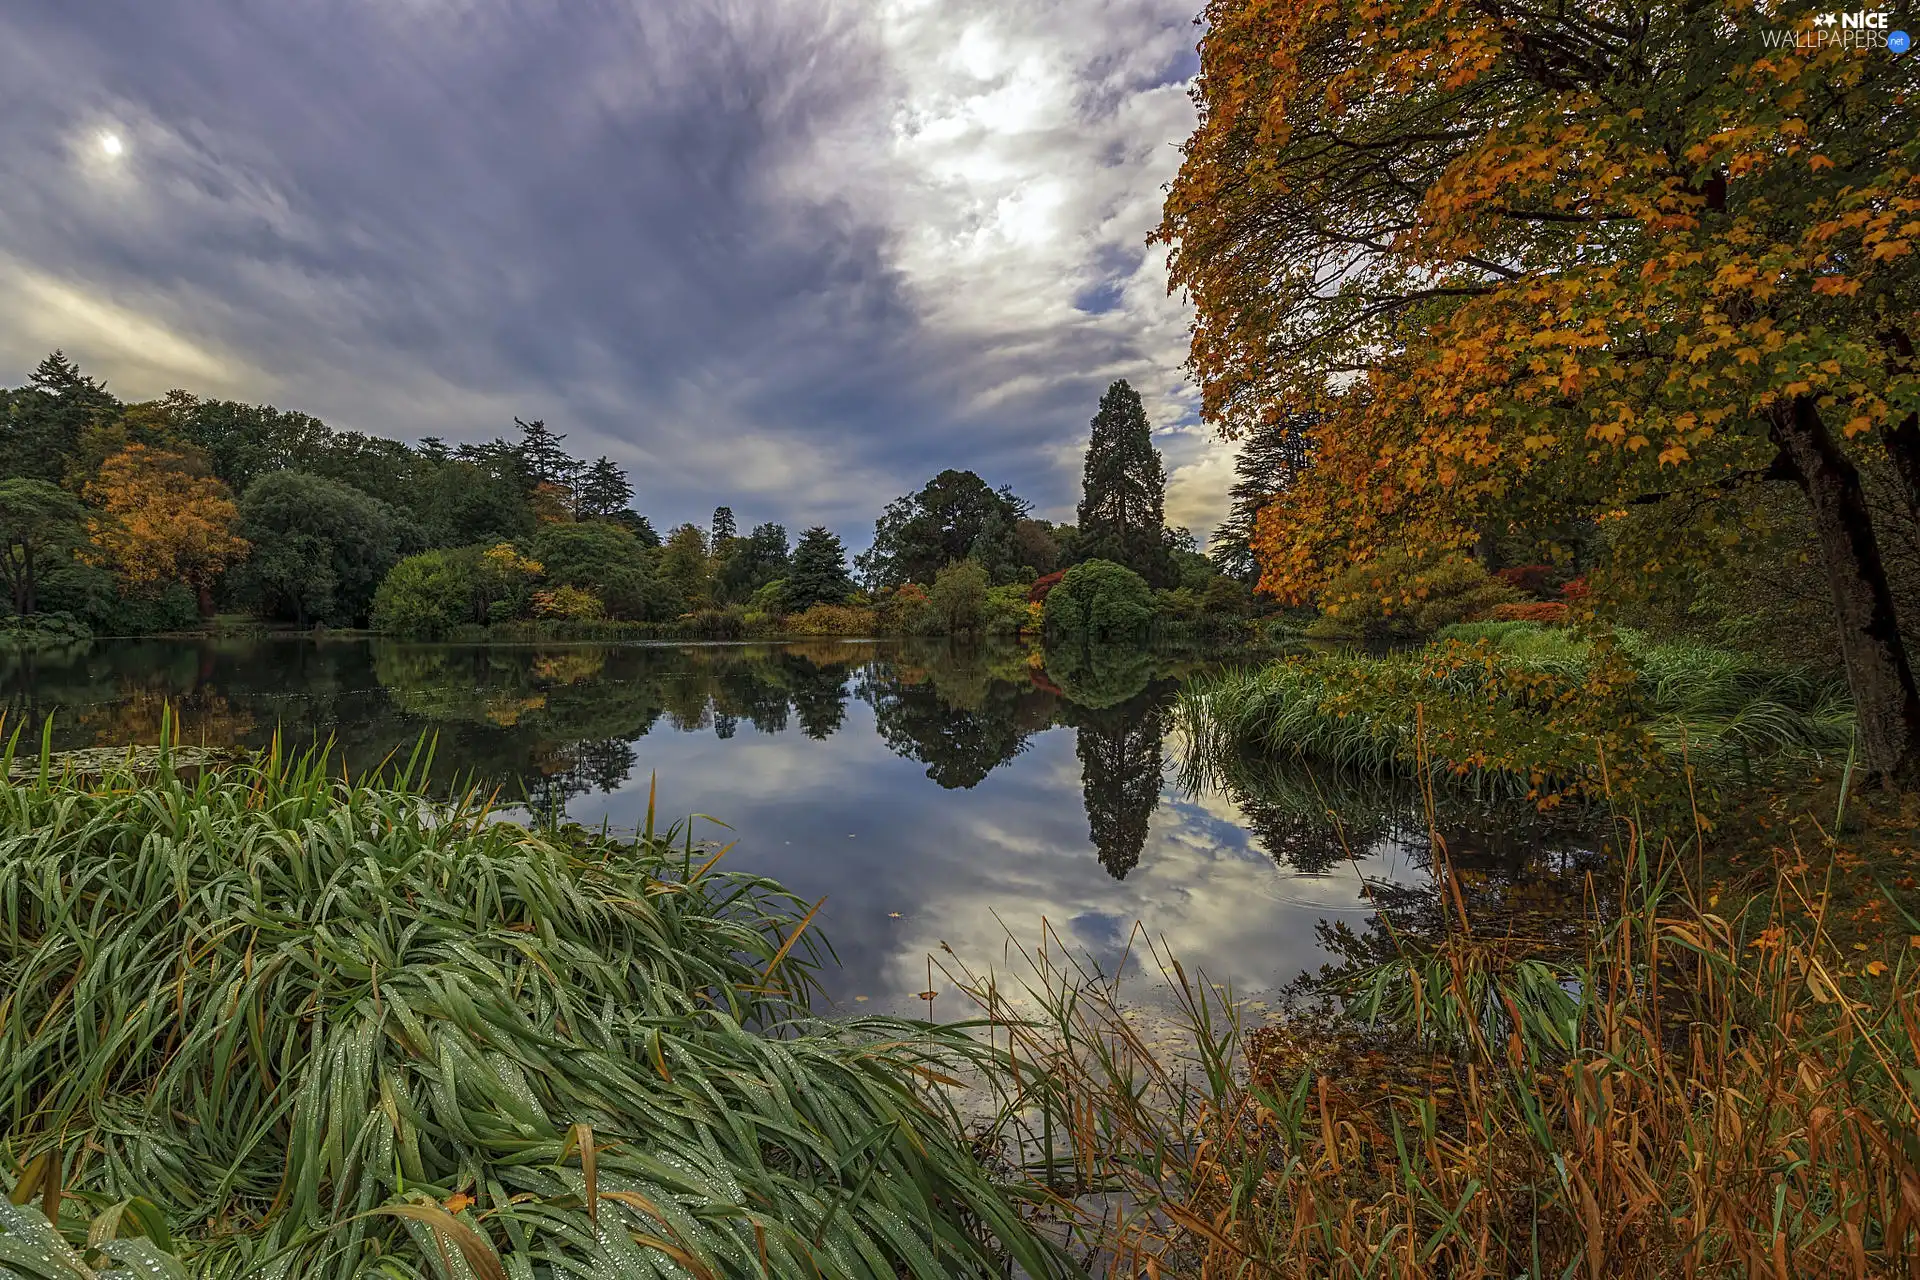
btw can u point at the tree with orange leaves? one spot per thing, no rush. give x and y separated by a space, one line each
1533 263
164 517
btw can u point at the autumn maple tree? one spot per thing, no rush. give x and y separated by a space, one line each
163 517
1524 263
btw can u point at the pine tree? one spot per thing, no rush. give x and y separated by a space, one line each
44 420
724 530
1272 457
541 455
603 492
1123 505
818 572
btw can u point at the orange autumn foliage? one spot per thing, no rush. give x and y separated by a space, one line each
164 518
1533 263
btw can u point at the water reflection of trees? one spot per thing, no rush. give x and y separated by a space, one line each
546 724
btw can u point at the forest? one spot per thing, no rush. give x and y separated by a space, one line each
155 517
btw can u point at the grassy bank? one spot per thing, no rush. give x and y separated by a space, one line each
1520 711
268 1021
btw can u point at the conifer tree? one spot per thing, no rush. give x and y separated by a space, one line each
818 573
1271 458
724 529
1123 504
603 492
540 453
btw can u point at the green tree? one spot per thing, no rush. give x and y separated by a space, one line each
427 595
1123 502
959 598
540 453
320 548
1099 600
606 559
40 525
45 419
956 516
818 573
466 502
603 492
724 529
684 562
750 563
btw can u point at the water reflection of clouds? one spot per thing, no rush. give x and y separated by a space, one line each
963 867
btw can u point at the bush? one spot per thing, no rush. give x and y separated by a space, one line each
1008 612
1037 593
1532 579
428 595
42 630
567 602
1547 611
832 620
959 598
1099 599
906 612
1394 598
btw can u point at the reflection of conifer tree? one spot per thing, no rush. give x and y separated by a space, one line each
605 763
820 699
724 723
1121 761
960 745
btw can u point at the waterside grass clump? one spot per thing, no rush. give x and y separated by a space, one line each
270 1021
1519 711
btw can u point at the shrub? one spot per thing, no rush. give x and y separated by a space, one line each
1037 593
1007 611
832 620
1099 599
1548 611
959 598
567 602
1532 579
1394 598
427 595
906 612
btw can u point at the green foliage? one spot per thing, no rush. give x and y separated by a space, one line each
607 560
831 620
42 631
686 567
1123 502
818 571
1006 611
462 1048
427 595
40 526
955 517
1100 600
748 564
44 420
1394 598
320 549
603 491
959 598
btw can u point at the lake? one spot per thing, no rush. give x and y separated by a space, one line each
931 793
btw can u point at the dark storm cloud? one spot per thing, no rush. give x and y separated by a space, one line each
422 217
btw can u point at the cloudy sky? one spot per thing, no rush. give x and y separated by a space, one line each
793 255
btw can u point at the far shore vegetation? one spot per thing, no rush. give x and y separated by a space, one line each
1570 357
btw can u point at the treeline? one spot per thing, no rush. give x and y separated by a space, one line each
120 518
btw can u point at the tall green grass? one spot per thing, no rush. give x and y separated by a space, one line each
1514 708
275 1022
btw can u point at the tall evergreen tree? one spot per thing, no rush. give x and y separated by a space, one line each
1271 458
724 529
818 572
603 491
44 420
1123 503
540 452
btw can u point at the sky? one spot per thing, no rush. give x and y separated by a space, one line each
794 256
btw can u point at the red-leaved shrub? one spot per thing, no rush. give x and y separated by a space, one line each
1534 579
1037 593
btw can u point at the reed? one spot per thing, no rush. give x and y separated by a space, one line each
266 1020
1685 1095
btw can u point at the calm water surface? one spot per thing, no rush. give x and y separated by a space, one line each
931 794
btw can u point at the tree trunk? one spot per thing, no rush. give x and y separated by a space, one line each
27 601
1886 704
204 598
